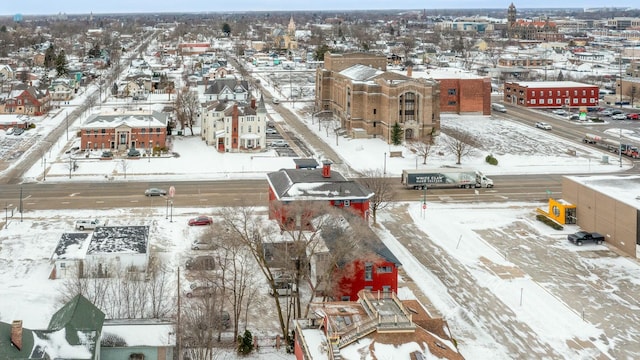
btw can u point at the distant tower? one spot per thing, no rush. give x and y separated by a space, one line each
511 20
17 18
291 29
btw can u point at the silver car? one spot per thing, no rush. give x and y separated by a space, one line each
155 192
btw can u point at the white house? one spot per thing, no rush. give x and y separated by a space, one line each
235 127
227 89
117 248
68 255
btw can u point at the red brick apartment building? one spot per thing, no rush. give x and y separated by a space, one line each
550 94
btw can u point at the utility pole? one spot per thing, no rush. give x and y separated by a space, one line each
179 327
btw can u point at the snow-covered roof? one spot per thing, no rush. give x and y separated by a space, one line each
71 246
624 188
361 72
119 239
552 84
134 119
310 184
141 332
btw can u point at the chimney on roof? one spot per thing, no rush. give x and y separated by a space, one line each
409 71
253 103
16 334
326 169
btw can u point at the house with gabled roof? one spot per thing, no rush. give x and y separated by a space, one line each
28 100
324 185
73 333
227 89
235 126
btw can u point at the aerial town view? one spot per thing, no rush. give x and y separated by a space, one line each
340 180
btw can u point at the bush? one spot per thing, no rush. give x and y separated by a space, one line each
245 343
549 222
491 160
32 126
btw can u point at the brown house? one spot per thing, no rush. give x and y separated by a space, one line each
359 92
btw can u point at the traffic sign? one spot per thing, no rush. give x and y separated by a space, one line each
172 191
424 206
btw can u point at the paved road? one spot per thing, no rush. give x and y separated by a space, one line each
108 194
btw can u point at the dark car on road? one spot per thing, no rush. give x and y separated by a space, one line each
201 220
155 192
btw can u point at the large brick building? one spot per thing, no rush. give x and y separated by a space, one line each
551 94
358 90
121 130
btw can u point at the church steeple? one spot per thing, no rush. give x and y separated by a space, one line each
261 108
291 28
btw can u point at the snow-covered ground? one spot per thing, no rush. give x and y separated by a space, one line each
460 232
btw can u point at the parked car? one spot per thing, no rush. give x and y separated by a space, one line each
271 131
18 131
582 236
155 192
204 262
202 245
107 154
633 116
559 112
616 111
275 101
279 143
200 291
10 131
200 220
133 152
87 224
619 117
543 125
605 112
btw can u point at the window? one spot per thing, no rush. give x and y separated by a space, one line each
249 130
368 288
347 203
143 131
345 298
384 269
104 131
368 272
451 91
451 103
386 288
62 265
533 101
374 111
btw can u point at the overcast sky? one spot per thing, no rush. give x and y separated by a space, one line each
27 7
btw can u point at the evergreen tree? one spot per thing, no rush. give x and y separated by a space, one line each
114 89
61 64
396 134
560 76
245 343
226 29
318 55
49 57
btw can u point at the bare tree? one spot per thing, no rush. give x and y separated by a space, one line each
187 108
422 147
199 322
382 189
461 144
237 275
282 247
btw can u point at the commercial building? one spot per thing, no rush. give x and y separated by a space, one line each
123 129
607 204
551 94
